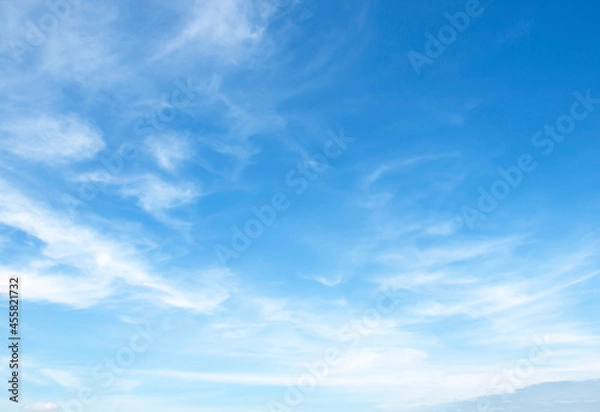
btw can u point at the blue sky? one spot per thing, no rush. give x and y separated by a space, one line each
285 205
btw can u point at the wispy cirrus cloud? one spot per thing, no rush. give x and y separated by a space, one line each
170 151
226 29
98 262
52 140
156 195
220 100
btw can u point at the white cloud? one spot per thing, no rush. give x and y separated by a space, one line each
51 140
98 261
156 195
226 28
169 150
86 48
36 407
329 282
397 165
63 378
82 291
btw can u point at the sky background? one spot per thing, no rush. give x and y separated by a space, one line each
138 139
